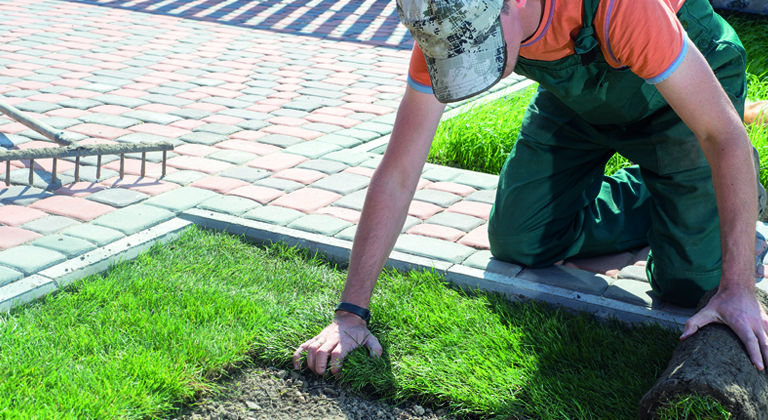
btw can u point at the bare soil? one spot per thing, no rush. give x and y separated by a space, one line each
257 393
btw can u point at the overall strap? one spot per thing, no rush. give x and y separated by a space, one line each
586 42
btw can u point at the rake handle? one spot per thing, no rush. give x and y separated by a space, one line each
46 130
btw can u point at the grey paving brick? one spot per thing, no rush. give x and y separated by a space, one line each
343 183
279 184
386 119
329 94
312 150
483 260
166 100
154 157
221 129
352 201
203 137
258 91
306 106
80 103
37 107
88 173
321 86
11 140
634 292
30 259
245 114
458 221
112 81
228 205
166 91
362 116
483 196
235 157
22 195
246 174
274 215
323 128
567 278
98 235
132 219
439 198
49 225
117 197
433 248
315 100
363 135
633 272
441 174
192 72
67 245
280 140
190 114
375 127
21 93
347 157
341 141
347 234
143 137
185 177
100 87
8 275
181 199
229 103
253 124
120 100
319 223
478 180
202 81
152 117
59 122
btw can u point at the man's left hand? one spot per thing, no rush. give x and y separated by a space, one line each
738 308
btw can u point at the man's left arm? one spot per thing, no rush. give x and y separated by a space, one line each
695 94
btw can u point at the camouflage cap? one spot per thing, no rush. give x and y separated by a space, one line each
462 41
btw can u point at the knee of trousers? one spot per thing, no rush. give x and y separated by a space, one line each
680 287
533 248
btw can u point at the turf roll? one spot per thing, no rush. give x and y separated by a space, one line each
712 363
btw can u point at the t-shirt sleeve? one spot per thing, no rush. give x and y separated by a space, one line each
645 36
418 76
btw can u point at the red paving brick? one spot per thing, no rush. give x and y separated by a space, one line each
223 119
13 215
307 200
359 170
350 215
187 124
299 132
423 210
436 231
287 121
80 189
196 150
304 176
477 238
330 119
471 208
360 99
451 187
149 186
336 112
368 108
260 149
256 193
277 162
13 236
208 166
74 208
159 130
610 264
221 185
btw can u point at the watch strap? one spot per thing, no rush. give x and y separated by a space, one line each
363 313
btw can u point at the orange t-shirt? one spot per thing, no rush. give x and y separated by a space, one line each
652 49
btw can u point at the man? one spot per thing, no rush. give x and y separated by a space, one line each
660 81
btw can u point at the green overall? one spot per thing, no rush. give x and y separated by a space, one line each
553 201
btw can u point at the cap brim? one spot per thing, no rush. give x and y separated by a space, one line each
473 71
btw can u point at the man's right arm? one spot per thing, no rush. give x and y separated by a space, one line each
386 206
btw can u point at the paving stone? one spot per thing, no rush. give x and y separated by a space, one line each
181 199
88 173
478 180
347 157
72 207
244 114
273 215
343 183
375 127
439 198
325 166
280 140
203 137
98 235
284 185
228 205
152 117
191 114
216 128
441 174
37 107
342 141
347 234
254 125
458 221
67 245
567 278
13 236
117 197
109 120
246 174
608 264
147 138
14 215
60 122
184 177
303 105
166 100
633 272
634 292
307 200
483 196
8 275
30 259
353 201
80 103
125 101
362 135
471 208
319 223
483 260
132 219
312 150
229 103
433 248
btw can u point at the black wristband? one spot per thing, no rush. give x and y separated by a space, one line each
363 313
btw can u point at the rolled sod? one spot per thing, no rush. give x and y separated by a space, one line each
712 363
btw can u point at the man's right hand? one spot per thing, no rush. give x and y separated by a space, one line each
344 334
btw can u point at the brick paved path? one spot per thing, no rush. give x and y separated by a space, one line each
276 110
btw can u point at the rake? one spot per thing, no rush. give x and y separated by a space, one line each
68 148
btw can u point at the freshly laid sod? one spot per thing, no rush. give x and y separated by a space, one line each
481 138
157 331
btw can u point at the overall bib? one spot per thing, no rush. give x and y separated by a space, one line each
553 201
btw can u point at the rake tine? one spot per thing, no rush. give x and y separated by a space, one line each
165 155
77 169
53 171
8 173
98 167
122 166
31 171
143 164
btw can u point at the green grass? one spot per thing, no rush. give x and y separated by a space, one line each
481 138
152 333
687 407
